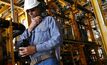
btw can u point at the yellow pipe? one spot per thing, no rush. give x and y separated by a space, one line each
101 24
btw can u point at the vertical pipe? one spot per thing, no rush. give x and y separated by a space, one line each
101 24
12 10
28 20
11 35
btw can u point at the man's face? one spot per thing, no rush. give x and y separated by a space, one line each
34 12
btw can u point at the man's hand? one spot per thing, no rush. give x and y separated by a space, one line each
25 51
34 23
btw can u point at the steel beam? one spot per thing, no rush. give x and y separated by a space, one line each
101 23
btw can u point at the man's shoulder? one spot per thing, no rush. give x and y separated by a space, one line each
48 17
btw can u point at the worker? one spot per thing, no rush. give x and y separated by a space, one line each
45 35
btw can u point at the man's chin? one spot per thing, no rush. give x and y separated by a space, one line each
33 16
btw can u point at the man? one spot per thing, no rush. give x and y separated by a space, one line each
45 36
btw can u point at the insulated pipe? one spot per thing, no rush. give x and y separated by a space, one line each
101 24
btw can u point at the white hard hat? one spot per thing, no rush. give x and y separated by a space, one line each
29 4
